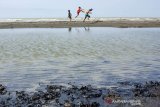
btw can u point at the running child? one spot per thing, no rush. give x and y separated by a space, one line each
78 11
87 14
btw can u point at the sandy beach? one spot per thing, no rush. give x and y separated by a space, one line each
78 22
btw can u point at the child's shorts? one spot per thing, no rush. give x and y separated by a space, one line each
87 15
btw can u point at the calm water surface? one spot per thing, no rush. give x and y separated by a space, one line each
97 56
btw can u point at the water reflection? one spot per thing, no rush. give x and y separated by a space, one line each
69 29
87 29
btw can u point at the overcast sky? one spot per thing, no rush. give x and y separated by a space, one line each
58 8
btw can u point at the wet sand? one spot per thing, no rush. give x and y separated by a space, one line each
93 22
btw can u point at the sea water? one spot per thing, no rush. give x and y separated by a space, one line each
98 56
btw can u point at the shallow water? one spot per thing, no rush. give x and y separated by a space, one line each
98 56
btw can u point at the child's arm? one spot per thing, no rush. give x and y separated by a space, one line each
90 12
82 10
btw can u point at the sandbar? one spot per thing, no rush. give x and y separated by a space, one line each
78 22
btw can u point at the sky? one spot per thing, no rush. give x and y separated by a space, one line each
58 8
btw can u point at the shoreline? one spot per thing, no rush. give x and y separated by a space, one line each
78 22
127 94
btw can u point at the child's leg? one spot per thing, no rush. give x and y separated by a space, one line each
85 18
89 17
77 14
70 18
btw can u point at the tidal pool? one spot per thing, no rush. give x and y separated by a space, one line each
99 56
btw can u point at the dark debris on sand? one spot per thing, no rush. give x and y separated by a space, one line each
149 89
73 96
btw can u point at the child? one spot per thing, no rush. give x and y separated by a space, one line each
78 11
69 15
87 14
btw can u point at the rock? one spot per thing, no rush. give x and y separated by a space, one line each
35 96
67 104
95 104
2 89
149 89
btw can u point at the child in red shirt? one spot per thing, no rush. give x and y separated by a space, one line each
78 11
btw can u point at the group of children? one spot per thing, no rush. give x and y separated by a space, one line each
78 12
